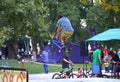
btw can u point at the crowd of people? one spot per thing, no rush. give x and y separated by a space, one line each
112 57
107 57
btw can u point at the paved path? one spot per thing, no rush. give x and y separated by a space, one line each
37 77
48 78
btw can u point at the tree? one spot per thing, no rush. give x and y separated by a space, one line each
4 35
110 5
103 15
24 18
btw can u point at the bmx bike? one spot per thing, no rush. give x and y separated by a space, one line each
62 74
56 46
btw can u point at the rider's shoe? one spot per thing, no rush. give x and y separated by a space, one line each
62 46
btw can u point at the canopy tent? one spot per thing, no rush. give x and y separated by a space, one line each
111 34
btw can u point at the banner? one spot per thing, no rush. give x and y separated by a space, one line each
94 43
13 75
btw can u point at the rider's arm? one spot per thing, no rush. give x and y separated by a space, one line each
67 61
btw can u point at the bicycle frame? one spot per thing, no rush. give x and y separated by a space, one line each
62 74
57 44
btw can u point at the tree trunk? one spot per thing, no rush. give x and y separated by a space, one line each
12 49
34 43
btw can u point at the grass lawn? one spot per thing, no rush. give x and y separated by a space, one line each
37 68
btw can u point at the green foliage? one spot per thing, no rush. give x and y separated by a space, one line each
71 11
98 18
4 35
25 17
111 5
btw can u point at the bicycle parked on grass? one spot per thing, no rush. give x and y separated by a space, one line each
62 74
80 73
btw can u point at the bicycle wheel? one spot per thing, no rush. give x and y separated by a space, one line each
105 76
90 75
82 76
73 75
56 76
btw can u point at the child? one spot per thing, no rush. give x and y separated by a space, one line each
106 66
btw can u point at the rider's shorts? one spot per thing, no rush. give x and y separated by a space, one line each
67 35
67 71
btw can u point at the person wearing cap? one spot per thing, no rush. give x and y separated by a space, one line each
64 29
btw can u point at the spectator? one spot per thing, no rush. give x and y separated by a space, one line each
44 56
0 54
106 63
116 61
118 53
105 53
19 58
97 61
33 57
109 58
3 59
22 51
111 52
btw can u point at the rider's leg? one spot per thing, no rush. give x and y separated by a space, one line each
65 36
58 32
67 71
67 74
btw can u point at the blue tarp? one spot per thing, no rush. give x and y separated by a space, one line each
56 56
111 34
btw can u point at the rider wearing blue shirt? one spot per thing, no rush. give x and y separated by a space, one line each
65 24
64 29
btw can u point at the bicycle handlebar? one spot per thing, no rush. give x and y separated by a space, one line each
114 62
87 62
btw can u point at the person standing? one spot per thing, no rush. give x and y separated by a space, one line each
97 61
109 58
64 29
106 64
112 52
116 68
44 56
118 53
0 54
